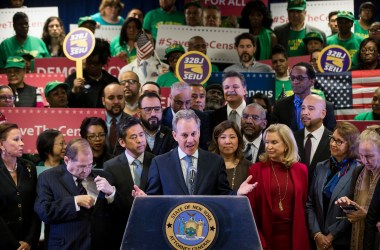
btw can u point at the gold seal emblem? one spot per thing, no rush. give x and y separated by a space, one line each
190 226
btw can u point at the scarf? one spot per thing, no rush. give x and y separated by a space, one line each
339 169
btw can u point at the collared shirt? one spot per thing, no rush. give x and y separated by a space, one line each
317 136
239 111
150 139
109 118
131 163
181 155
256 143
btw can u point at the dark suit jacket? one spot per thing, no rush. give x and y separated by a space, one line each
371 234
340 229
163 142
68 228
282 32
218 116
116 149
166 177
167 118
322 153
17 201
118 167
284 112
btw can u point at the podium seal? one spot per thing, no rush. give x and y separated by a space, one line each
190 226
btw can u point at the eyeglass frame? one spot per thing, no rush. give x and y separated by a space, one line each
299 78
92 137
157 109
7 98
254 117
129 81
337 142
369 51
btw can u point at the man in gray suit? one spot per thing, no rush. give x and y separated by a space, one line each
315 149
127 169
289 34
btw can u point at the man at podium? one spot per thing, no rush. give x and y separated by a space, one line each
187 169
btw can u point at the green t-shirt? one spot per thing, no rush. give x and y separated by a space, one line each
289 91
33 46
352 45
156 17
116 49
296 47
167 80
358 30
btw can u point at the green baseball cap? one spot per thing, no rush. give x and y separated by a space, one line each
313 35
297 5
346 14
174 48
50 86
15 62
85 19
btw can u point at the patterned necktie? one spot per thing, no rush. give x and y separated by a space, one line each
233 116
248 153
191 172
308 149
137 170
297 106
144 68
112 133
81 189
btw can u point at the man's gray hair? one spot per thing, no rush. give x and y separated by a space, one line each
179 86
187 115
260 108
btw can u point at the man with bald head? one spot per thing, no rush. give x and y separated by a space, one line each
313 140
198 43
130 81
114 102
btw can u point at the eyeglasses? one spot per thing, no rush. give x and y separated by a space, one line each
374 30
129 81
150 109
92 137
337 142
181 103
5 98
298 78
254 117
61 144
369 51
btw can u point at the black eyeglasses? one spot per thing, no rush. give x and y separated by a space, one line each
129 81
150 109
370 51
337 142
92 137
298 78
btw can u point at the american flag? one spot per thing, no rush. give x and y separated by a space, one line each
351 92
144 46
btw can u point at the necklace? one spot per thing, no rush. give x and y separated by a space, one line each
233 178
278 184
11 170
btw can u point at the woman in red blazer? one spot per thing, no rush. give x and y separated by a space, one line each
278 202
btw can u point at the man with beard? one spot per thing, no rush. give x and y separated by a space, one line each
214 96
234 88
288 110
21 43
159 137
166 14
114 102
253 122
246 47
128 169
313 140
131 83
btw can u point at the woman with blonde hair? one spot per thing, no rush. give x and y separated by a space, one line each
109 13
278 201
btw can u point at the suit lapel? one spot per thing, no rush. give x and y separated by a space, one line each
125 170
145 170
176 166
261 150
67 181
321 147
342 184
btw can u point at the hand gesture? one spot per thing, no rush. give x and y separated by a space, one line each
78 85
246 187
103 185
344 201
358 215
24 246
85 201
137 191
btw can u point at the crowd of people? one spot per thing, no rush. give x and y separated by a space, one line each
311 181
